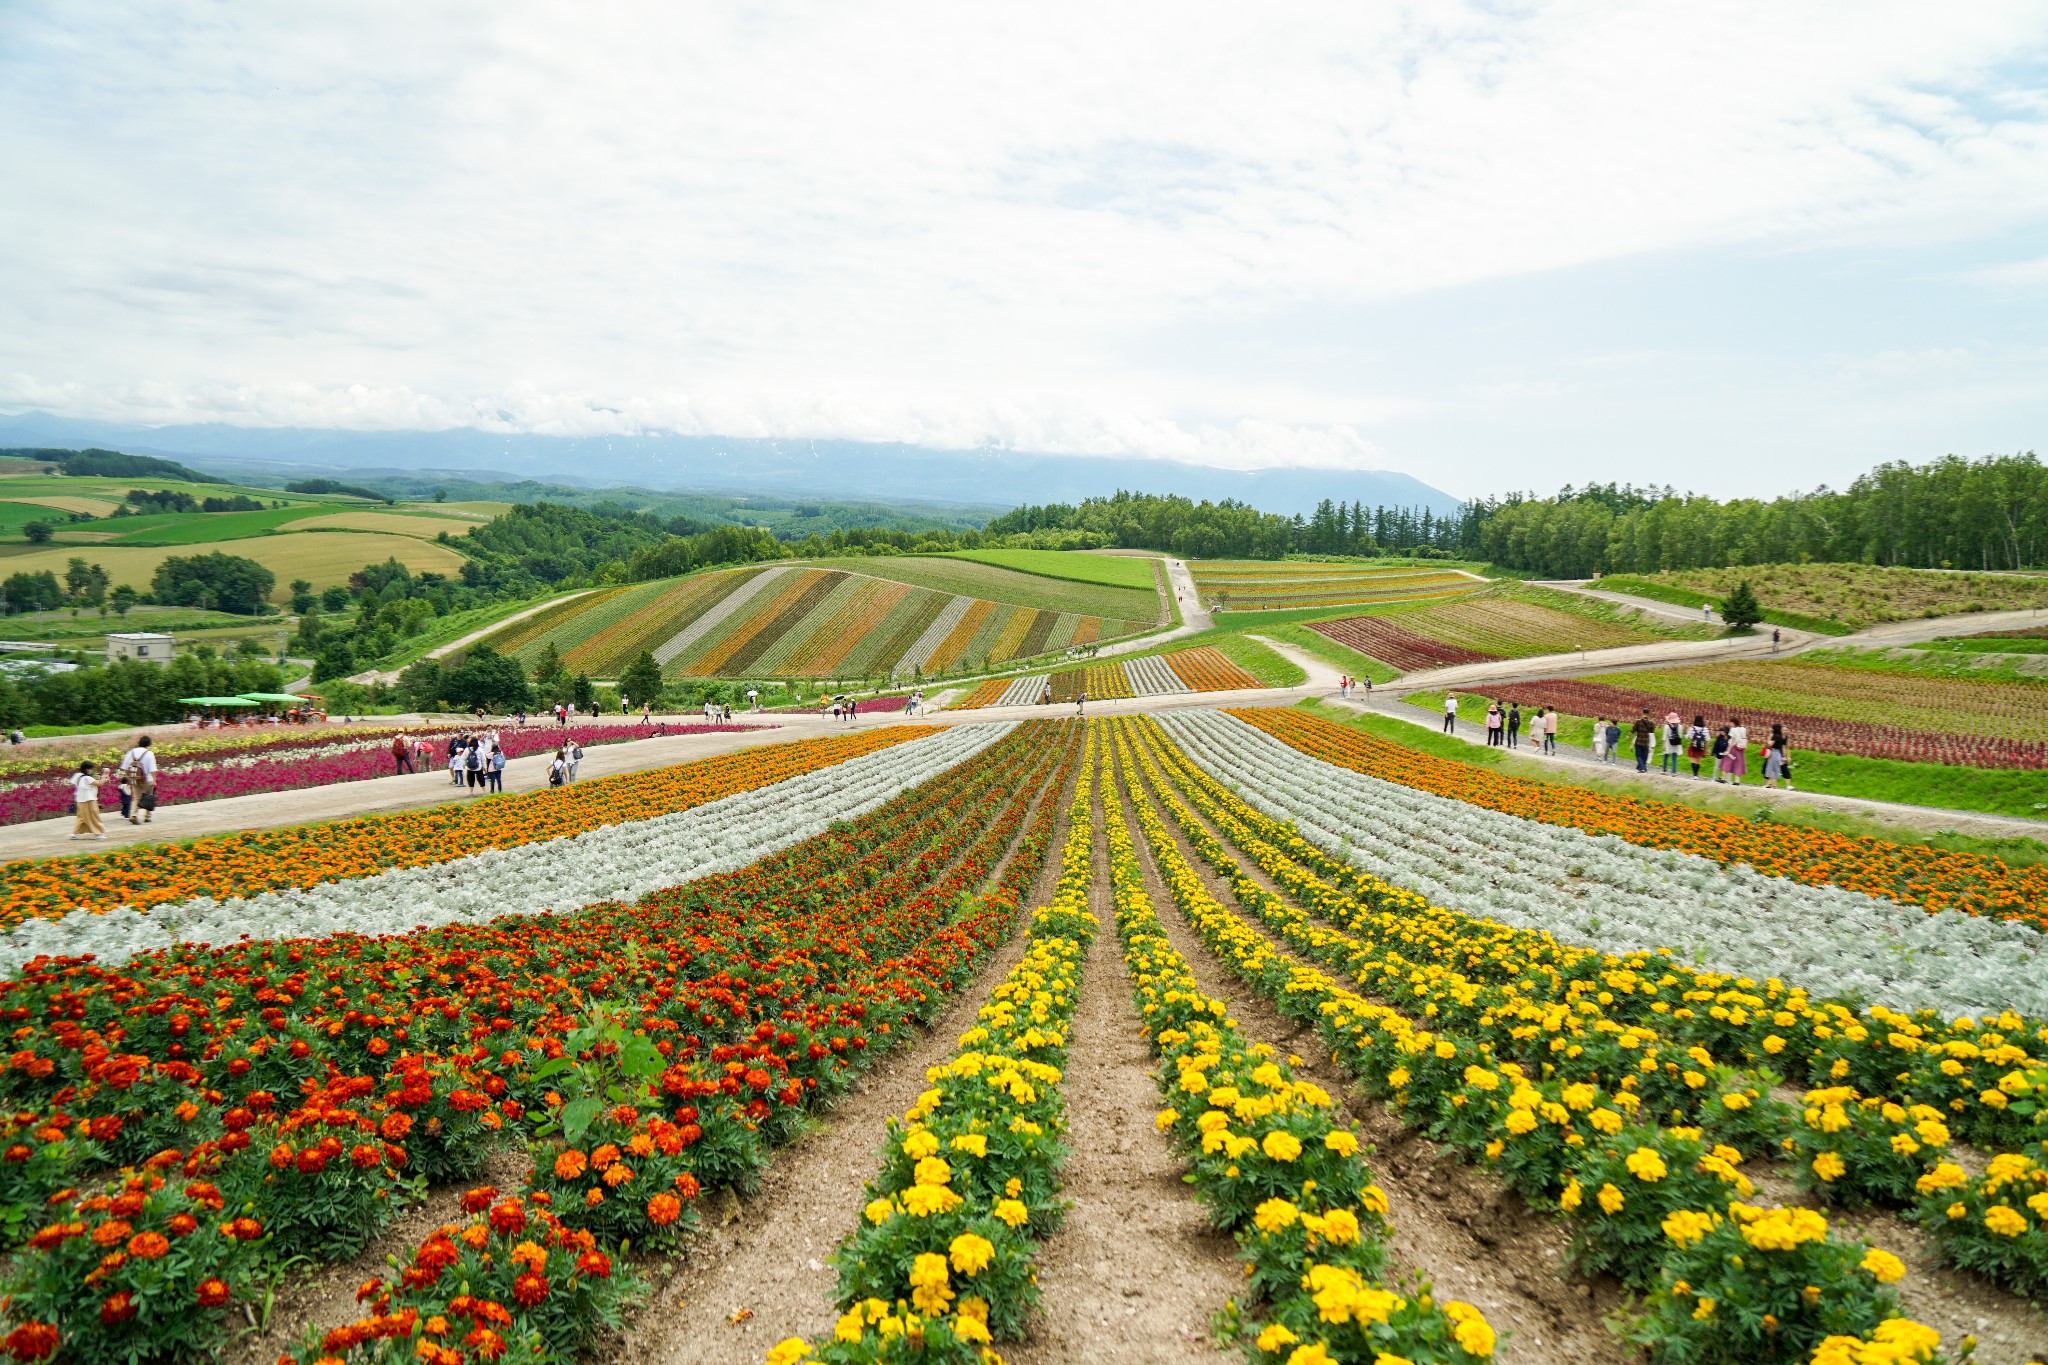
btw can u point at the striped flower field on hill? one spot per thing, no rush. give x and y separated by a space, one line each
1202 669
798 621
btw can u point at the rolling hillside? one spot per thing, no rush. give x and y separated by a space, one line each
319 537
900 618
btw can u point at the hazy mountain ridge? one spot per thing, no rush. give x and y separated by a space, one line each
839 469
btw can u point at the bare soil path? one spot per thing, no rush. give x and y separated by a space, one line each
1134 1273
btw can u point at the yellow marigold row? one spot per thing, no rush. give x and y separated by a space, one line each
1267 1153
969 1180
1654 1187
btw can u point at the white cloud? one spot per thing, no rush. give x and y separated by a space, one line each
936 223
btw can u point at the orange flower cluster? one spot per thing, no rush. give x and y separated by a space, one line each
1208 669
1914 874
306 855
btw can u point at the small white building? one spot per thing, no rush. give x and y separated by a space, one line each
138 644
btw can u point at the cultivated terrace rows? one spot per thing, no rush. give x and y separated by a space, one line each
1120 1040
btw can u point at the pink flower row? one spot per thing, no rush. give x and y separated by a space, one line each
290 773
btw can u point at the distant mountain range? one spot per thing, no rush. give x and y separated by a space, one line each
729 465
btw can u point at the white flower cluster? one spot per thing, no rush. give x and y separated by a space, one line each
611 862
1603 892
1152 676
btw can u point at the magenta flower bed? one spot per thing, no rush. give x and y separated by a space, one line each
181 786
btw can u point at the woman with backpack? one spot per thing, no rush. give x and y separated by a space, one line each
1721 760
1777 759
1696 742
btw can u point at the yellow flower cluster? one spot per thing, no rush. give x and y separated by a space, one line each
998 1082
1897 1341
1416 957
1222 1083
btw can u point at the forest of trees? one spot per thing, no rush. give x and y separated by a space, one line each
1952 513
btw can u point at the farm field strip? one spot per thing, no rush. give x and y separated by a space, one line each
1982 708
718 613
1859 595
1021 692
1208 669
618 861
1587 891
1804 729
854 935
1493 1078
241 865
1511 628
1268 1153
1396 646
1912 874
740 639
639 619
1152 676
919 655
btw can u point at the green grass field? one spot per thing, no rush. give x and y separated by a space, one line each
1114 571
1994 791
323 558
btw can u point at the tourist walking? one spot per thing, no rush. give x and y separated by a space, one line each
558 769
140 763
1673 735
1645 732
1550 732
1493 720
1080 703
1721 754
474 763
401 753
1599 739
575 757
1614 739
1368 691
1776 635
1450 713
1777 764
85 802
1514 724
1696 741
497 768
1738 750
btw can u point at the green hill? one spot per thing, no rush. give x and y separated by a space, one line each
870 617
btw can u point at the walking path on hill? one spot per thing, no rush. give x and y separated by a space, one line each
440 651
1387 701
1193 619
381 795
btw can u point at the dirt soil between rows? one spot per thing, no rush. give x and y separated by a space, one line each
1454 1224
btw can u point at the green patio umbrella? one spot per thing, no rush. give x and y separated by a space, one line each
219 701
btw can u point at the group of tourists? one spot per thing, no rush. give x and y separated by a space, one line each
134 782
848 710
475 759
1346 682
1723 751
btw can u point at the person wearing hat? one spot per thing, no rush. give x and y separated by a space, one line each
1674 740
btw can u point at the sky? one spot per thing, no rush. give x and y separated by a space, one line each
1739 248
